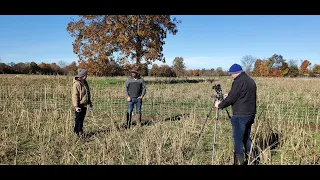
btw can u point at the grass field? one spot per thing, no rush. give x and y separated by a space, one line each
37 119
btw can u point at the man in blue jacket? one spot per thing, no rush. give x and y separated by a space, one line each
135 91
242 98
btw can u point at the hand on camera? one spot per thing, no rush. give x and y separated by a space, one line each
216 104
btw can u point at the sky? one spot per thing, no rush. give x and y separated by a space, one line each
202 41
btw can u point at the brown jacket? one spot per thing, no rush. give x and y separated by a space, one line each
80 94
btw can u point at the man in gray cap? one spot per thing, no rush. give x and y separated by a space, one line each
80 99
135 90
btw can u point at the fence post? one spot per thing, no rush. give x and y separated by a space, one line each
45 97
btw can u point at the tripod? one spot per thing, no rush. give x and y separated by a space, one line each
219 97
215 130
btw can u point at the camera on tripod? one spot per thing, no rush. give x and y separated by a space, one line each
217 88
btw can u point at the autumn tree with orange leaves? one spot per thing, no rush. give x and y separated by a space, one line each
137 37
165 71
72 68
260 68
256 68
304 67
154 70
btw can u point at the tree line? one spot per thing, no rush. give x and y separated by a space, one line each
109 69
277 66
274 66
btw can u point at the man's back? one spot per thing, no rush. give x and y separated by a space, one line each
246 102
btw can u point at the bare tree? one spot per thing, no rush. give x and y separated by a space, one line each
293 68
293 62
62 64
247 62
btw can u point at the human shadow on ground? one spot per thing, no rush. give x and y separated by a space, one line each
270 141
123 126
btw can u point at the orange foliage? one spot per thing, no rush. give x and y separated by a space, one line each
195 72
276 72
256 69
135 37
304 66
263 69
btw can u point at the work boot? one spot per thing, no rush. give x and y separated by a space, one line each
238 159
129 117
254 157
81 134
139 120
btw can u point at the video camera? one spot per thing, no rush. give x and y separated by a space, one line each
217 88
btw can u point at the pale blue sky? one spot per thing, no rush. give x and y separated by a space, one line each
203 41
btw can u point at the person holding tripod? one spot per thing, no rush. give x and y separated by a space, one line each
135 90
242 97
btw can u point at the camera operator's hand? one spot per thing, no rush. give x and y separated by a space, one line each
224 96
216 104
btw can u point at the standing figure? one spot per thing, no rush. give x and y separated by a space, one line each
135 88
242 97
80 99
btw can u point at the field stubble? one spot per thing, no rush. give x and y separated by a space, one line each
37 123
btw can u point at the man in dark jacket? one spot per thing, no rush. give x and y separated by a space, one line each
135 90
242 97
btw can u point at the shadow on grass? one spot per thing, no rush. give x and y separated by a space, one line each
123 126
271 141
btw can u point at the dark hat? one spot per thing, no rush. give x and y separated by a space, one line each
235 68
82 72
134 70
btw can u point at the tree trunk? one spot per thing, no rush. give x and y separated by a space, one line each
138 51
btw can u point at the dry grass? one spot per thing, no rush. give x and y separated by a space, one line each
37 123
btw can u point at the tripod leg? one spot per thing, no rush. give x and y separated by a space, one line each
196 144
214 133
204 124
228 114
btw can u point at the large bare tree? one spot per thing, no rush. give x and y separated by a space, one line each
247 63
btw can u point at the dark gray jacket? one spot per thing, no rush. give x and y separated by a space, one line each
135 87
242 96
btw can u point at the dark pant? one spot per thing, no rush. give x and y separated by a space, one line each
79 118
241 129
134 102
137 102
